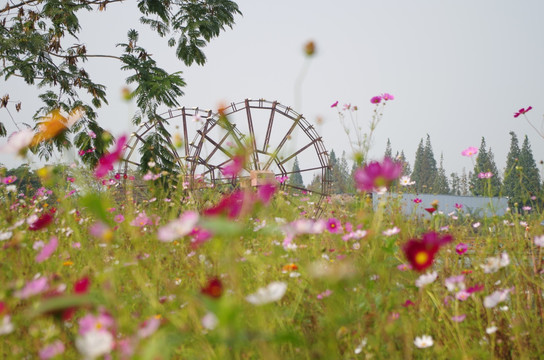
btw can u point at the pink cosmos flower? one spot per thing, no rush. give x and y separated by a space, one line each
404 267
9 179
334 226
376 176
105 163
119 218
100 322
32 288
324 294
462 295
376 99
233 167
461 248
148 327
47 250
141 220
458 318
199 237
458 206
417 200
266 192
231 205
485 175
52 350
387 97
335 104
522 111
470 151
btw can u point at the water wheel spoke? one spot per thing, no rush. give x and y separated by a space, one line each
254 153
282 142
269 127
299 151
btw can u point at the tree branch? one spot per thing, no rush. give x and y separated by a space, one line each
74 56
29 2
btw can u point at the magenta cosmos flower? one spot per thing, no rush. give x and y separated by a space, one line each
376 176
105 163
376 99
470 151
522 111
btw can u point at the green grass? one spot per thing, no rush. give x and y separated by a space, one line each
134 277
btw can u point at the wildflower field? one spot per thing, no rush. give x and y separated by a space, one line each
158 273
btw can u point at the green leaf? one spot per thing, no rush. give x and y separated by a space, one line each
162 344
97 205
222 227
63 302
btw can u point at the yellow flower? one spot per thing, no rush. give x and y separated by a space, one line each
68 263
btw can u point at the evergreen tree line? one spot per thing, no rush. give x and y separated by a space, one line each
520 181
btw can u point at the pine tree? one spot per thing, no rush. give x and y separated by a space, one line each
388 152
441 185
455 184
406 169
430 162
425 170
417 174
464 186
339 174
511 186
485 180
295 179
531 175
496 183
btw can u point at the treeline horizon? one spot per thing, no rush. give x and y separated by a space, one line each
519 181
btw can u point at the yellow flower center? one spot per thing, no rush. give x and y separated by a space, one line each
421 257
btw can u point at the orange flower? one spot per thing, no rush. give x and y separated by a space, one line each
290 267
54 123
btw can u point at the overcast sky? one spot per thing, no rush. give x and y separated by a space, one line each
458 69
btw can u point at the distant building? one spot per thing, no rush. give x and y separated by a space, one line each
477 206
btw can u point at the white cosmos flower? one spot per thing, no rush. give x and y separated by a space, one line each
406 181
539 241
359 348
390 232
426 279
493 264
491 329
6 235
179 227
273 292
424 341
94 343
6 326
495 298
209 321
18 141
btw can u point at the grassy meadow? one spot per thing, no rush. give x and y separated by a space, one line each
119 271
